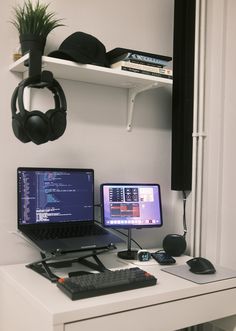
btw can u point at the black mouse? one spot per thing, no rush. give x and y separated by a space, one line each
200 265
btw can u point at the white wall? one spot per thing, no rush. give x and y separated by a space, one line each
96 114
219 211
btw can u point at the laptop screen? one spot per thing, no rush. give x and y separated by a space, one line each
55 195
131 205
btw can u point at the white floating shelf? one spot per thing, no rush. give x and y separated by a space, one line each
96 75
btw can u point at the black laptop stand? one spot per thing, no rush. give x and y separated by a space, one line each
43 266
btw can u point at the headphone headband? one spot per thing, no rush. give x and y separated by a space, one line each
54 87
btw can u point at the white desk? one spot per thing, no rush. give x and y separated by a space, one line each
29 302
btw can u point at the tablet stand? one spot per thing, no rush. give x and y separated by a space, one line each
43 266
129 254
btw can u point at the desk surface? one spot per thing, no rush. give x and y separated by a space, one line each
45 297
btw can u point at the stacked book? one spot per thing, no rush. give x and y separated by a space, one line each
140 62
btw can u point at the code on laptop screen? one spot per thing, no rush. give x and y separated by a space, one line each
47 195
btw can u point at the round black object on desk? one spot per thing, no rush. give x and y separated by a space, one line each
174 244
128 254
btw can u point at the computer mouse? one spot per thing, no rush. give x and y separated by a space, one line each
200 265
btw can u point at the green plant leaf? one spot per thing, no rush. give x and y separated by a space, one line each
35 19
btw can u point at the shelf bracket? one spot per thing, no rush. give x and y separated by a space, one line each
132 93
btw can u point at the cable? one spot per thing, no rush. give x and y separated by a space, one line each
184 214
124 234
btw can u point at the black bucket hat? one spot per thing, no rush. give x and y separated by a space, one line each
82 48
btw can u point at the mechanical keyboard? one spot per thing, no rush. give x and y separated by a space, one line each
94 284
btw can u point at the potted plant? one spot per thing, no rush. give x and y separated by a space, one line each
34 23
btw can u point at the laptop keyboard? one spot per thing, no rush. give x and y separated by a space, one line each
69 232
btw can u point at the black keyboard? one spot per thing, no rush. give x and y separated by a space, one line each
94 284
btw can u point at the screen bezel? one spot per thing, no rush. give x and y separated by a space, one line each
128 226
50 224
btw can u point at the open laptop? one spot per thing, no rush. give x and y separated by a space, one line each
56 210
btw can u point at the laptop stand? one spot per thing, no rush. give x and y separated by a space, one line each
43 266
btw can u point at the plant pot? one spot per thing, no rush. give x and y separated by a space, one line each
30 41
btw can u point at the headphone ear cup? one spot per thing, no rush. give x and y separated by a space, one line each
57 120
37 127
18 128
18 119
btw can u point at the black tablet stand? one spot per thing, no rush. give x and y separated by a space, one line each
129 254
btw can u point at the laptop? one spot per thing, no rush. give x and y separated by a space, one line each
56 210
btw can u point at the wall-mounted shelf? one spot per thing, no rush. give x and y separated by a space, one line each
135 83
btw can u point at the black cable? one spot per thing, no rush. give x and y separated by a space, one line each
184 214
124 234
97 205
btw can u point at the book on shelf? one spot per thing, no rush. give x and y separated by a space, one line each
141 66
137 62
118 54
146 72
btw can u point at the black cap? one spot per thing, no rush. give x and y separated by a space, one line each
82 48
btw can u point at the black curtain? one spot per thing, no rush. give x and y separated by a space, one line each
182 99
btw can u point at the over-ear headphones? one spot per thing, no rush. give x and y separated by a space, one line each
35 125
